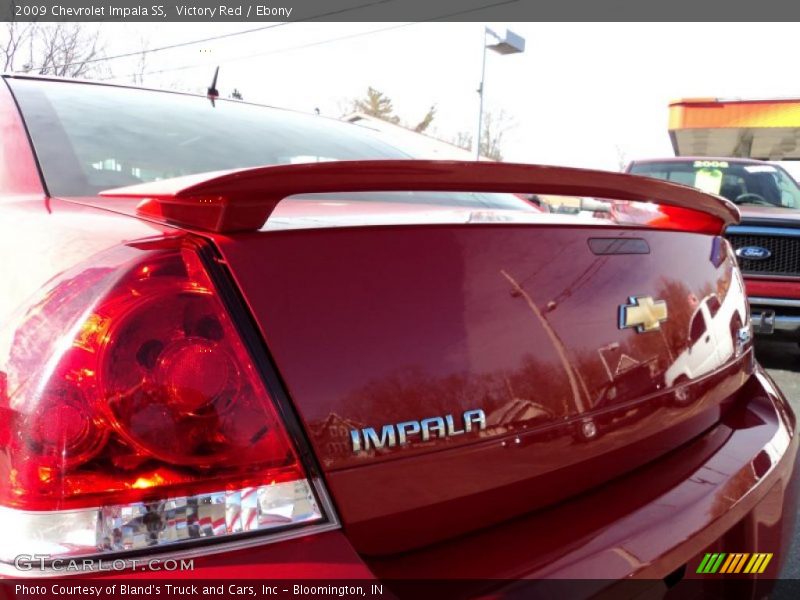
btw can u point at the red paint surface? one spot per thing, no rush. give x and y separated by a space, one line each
772 288
19 174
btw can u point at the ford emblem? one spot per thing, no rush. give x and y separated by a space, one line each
753 253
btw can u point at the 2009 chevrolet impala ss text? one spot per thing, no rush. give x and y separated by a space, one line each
275 345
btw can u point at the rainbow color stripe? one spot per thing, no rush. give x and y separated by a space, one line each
734 563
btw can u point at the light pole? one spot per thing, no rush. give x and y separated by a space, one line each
511 43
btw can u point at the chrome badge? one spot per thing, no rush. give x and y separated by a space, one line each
400 434
642 313
753 253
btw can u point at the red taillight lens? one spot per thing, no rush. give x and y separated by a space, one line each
127 387
657 216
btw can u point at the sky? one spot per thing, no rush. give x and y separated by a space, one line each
582 94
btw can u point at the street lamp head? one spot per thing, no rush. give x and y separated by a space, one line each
510 43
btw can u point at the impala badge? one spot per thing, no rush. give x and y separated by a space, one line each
400 434
642 313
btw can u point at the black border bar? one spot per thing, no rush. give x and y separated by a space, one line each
397 10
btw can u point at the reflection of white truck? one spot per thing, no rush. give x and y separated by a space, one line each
713 335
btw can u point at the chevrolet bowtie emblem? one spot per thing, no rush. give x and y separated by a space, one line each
643 313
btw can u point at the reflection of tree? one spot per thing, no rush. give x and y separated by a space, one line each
682 303
573 379
414 393
526 397
647 356
543 383
573 376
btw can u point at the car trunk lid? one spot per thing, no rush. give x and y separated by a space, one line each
453 375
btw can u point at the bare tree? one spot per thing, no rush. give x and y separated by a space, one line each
68 50
463 139
622 157
495 125
17 36
60 49
137 76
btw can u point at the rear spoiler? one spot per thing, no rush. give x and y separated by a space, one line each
242 200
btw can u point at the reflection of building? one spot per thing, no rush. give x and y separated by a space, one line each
332 435
632 379
516 413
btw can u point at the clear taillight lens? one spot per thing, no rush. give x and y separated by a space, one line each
133 415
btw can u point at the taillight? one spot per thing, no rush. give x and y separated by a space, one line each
133 415
658 216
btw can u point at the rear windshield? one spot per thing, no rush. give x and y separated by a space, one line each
90 138
760 184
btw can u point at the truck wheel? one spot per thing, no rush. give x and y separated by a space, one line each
682 395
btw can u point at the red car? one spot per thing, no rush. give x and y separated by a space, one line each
406 373
767 241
